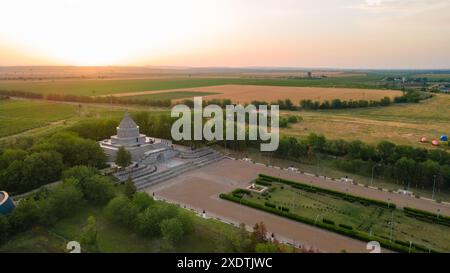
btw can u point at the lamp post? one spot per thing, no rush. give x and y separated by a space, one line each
373 171
392 225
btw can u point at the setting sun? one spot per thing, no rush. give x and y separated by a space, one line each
226 33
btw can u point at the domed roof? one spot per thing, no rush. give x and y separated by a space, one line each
127 122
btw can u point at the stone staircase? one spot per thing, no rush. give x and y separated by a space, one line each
136 173
196 153
203 159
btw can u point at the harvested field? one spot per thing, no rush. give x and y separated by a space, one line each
248 93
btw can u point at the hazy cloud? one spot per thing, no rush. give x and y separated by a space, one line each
399 5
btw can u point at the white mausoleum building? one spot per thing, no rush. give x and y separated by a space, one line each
143 149
156 160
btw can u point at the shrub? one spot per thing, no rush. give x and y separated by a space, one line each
346 226
270 205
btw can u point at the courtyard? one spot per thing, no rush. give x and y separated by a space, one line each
199 189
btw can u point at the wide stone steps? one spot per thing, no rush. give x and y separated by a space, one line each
136 174
196 153
173 172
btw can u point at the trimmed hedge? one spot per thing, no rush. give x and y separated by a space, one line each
345 196
263 183
427 216
240 193
270 205
326 221
347 232
346 226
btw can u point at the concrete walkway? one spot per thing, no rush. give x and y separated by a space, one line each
200 189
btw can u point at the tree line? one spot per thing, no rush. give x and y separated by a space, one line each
410 96
22 170
407 164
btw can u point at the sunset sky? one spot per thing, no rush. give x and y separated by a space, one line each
294 33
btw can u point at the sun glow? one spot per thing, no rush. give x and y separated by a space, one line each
103 32
325 33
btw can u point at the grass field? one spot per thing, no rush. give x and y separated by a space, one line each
20 115
401 124
175 95
37 240
370 219
104 87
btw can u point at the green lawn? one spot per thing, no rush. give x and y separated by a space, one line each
104 87
172 95
370 219
37 240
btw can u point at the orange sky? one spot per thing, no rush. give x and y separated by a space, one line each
323 33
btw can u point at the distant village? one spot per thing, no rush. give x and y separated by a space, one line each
434 85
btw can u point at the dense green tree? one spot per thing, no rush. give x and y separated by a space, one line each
96 129
121 210
385 150
74 149
317 141
25 215
141 200
405 170
172 230
148 222
10 155
130 188
88 236
81 173
64 199
12 178
98 190
41 168
429 169
123 158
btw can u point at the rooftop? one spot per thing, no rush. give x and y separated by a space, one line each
127 122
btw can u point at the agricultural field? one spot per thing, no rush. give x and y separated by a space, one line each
35 117
444 76
249 93
97 87
400 123
172 95
20 115
372 219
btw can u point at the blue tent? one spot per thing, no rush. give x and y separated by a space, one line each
444 138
